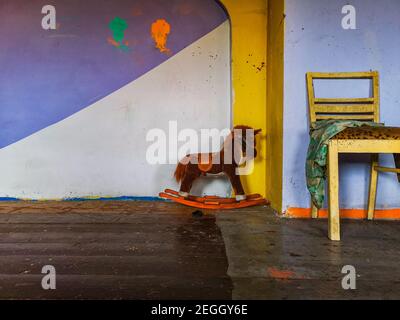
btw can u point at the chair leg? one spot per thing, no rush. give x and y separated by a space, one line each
397 163
333 192
373 184
314 211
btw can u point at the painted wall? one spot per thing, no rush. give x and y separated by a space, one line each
315 41
249 79
77 102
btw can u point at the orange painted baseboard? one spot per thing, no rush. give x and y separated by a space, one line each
386 214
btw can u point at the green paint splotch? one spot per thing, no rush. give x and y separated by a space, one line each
118 27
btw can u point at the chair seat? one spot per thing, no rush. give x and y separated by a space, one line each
369 133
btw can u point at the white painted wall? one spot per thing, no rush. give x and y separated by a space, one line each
101 150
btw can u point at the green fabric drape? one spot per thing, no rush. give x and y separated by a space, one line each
320 134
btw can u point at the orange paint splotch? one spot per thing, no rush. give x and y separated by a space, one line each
111 41
160 31
281 274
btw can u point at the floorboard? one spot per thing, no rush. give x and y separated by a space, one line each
159 250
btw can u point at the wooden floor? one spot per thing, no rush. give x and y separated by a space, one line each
158 250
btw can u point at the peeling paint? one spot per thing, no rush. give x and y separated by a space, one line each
185 9
259 67
137 12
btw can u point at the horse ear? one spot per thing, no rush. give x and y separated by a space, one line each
256 132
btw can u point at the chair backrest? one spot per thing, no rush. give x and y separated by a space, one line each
364 109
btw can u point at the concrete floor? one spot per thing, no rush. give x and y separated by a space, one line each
158 250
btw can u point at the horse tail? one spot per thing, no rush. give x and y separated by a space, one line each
180 171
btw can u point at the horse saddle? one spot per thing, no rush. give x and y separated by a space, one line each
205 162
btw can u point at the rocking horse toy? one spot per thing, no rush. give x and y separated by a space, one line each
233 154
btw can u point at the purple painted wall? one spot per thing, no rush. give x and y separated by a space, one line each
48 75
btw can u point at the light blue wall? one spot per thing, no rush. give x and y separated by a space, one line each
315 41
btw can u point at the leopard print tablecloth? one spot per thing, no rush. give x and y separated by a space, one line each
370 133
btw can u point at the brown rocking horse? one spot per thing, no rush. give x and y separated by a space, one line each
239 147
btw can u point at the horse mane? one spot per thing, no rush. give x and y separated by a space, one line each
242 127
231 142
244 138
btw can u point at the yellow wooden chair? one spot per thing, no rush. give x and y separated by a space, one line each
373 140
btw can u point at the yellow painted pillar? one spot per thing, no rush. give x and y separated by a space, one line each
249 78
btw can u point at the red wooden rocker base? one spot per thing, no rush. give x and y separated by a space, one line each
214 202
